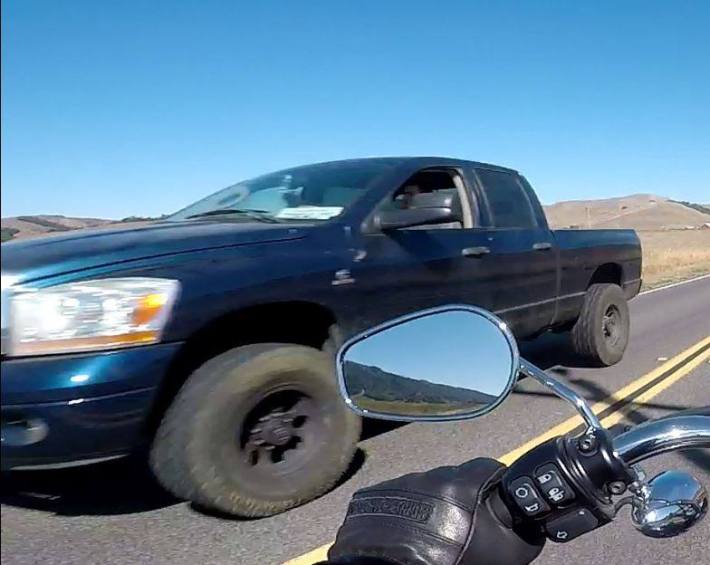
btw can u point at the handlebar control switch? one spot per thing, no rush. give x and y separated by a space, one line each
573 524
553 486
525 495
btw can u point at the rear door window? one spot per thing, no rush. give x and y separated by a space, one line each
507 201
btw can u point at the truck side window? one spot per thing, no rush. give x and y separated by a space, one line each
433 181
507 200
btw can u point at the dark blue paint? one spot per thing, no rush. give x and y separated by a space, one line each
93 405
81 429
68 377
88 249
225 265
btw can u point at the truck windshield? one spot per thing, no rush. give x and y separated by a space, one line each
310 193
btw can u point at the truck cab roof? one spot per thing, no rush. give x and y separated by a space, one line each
421 161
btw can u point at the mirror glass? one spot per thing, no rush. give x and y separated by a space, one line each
447 363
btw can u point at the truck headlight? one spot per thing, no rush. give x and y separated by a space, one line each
89 315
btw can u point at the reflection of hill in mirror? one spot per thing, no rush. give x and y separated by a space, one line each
384 386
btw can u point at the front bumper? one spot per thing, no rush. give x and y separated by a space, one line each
69 408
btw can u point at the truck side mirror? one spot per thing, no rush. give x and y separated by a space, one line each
407 218
430 208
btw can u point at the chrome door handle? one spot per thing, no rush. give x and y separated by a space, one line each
542 246
475 251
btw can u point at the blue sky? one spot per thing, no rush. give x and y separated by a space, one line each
133 107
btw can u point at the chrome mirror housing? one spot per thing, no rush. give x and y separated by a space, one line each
669 504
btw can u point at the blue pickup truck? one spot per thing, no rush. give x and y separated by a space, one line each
208 337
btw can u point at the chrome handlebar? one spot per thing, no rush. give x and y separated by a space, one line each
659 436
673 501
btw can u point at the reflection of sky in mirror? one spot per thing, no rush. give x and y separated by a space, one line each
455 348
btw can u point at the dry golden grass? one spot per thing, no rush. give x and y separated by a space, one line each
670 256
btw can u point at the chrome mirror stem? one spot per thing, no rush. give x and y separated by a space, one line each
564 392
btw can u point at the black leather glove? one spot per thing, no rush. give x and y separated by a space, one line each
446 516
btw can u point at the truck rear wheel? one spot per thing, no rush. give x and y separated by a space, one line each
601 333
256 431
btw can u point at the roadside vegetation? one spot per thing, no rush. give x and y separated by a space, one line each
8 233
699 207
131 219
671 256
50 225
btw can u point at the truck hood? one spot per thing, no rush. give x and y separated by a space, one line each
31 259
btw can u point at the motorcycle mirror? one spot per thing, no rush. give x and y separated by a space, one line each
669 504
449 363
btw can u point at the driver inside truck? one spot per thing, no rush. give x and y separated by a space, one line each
406 196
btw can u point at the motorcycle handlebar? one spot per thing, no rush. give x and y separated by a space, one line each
660 436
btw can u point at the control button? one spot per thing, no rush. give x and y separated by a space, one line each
553 487
527 498
571 525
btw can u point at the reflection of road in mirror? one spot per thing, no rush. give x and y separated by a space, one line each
375 390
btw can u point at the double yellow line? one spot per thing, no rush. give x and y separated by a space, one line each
611 411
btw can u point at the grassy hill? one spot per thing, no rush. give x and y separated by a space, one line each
20 227
638 211
33 226
381 391
383 385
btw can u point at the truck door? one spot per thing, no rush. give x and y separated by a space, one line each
523 253
404 270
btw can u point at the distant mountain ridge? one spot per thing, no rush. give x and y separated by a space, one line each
382 385
19 227
637 211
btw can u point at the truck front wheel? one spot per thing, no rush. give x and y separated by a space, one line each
601 333
256 431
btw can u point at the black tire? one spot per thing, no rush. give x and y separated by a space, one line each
256 431
601 333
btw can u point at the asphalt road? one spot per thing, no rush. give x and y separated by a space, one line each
114 513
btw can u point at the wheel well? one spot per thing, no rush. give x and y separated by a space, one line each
302 323
607 273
